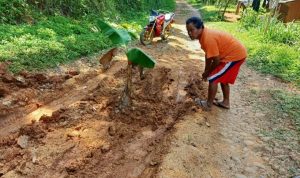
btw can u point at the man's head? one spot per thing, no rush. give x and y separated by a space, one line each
194 26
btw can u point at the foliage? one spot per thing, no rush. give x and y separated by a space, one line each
213 11
272 29
121 37
139 57
38 34
48 43
14 11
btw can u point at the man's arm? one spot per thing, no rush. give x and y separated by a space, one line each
210 65
207 64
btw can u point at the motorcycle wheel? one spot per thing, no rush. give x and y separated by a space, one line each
167 32
145 37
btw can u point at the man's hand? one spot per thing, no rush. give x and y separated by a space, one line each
210 65
205 75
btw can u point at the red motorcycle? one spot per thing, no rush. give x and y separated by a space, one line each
160 25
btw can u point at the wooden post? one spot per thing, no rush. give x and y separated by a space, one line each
238 6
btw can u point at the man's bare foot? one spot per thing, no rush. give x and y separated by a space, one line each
221 105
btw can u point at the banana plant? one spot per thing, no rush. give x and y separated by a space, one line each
135 57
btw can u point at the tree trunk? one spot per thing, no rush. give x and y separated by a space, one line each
226 5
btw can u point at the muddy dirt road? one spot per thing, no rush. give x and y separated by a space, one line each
66 123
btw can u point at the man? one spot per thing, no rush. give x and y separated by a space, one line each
223 57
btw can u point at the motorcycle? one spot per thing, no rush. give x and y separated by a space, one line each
160 24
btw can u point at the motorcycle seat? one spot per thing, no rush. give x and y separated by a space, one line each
154 13
169 16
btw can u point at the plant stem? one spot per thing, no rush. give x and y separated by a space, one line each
126 95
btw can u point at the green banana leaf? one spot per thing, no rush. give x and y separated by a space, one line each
137 56
117 36
132 35
120 37
105 28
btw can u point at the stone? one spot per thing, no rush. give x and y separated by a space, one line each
259 165
7 103
268 149
74 133
23 141
153 163
251 170
266 139
282 171
73 72
207 124
34 155
275 167
295 156
111 130
249 143
278 151
21 82
240 176
105 148
235 158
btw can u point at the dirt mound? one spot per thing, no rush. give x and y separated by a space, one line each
94 137
24 89
34 131
195 87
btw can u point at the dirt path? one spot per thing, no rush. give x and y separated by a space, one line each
72 127
227 143
68 124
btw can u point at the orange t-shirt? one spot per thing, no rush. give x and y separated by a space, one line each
217 43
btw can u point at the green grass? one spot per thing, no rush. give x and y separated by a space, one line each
282 110
288 105
210 13
48 43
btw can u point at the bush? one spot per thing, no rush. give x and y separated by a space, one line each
250 19
13 11
48 43
19 11
271 29
284 33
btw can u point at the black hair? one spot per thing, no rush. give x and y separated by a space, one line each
198 23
